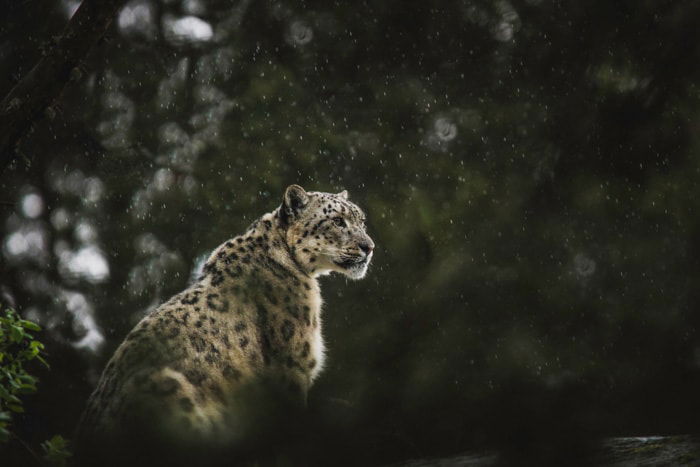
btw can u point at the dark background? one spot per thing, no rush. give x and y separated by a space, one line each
529 170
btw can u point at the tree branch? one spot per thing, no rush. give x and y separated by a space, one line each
34 94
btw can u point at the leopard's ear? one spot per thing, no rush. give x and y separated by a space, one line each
343 194
294 201
295 197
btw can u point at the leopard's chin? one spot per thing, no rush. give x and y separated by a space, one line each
354 269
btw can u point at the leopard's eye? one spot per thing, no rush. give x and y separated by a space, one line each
339 221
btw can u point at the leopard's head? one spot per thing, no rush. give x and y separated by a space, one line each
326 232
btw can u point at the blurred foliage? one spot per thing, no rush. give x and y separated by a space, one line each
529 169
56 451
17 348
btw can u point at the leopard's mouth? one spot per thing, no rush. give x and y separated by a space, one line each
353 262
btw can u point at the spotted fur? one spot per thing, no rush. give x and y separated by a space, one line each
254 312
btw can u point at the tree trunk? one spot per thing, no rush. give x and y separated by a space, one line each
34 94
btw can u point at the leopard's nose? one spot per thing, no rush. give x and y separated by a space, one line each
366 247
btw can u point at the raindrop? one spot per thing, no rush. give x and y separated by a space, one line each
445 129
300 33
583 265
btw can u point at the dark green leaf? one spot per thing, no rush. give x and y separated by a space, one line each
30 325
26 389
4 434
16 333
